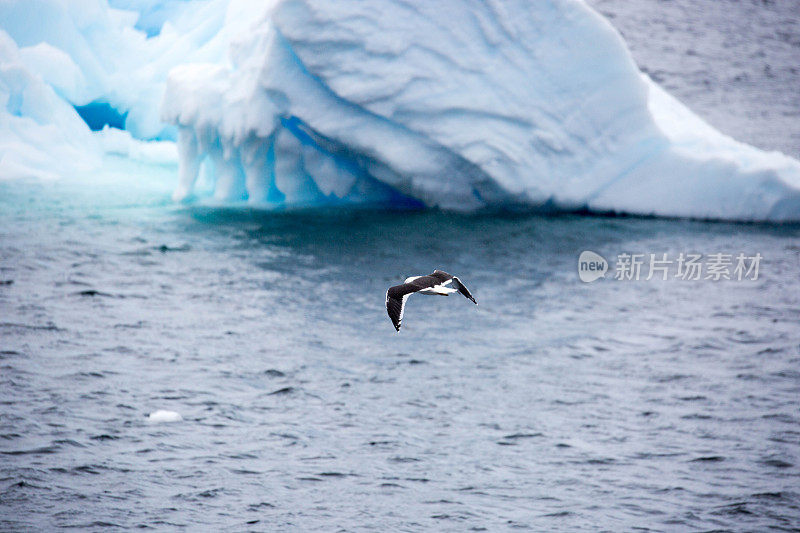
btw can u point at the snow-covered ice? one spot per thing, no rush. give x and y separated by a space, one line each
460 105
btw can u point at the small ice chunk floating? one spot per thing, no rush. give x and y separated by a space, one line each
163 416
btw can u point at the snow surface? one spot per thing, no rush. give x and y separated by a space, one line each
461 105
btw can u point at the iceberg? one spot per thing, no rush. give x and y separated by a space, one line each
462 105
41 136
90 52
64 64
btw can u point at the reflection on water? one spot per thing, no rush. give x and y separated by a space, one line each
552 405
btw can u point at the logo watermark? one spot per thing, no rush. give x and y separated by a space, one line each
591 266
686 266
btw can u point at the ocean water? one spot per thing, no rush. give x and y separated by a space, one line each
553 405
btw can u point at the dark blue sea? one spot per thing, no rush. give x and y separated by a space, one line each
552 405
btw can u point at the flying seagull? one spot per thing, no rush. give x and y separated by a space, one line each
431 284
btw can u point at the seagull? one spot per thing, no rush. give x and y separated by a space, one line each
431 284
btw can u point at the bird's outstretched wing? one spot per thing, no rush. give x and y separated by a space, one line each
446 278
396 302
460 287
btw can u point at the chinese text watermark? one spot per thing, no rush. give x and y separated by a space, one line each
684 266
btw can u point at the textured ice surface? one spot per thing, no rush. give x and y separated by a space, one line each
456 105
461 106
40 134
91 52
58 55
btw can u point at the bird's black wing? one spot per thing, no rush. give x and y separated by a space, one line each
396 296
395 302
460 287
441 275
444 277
